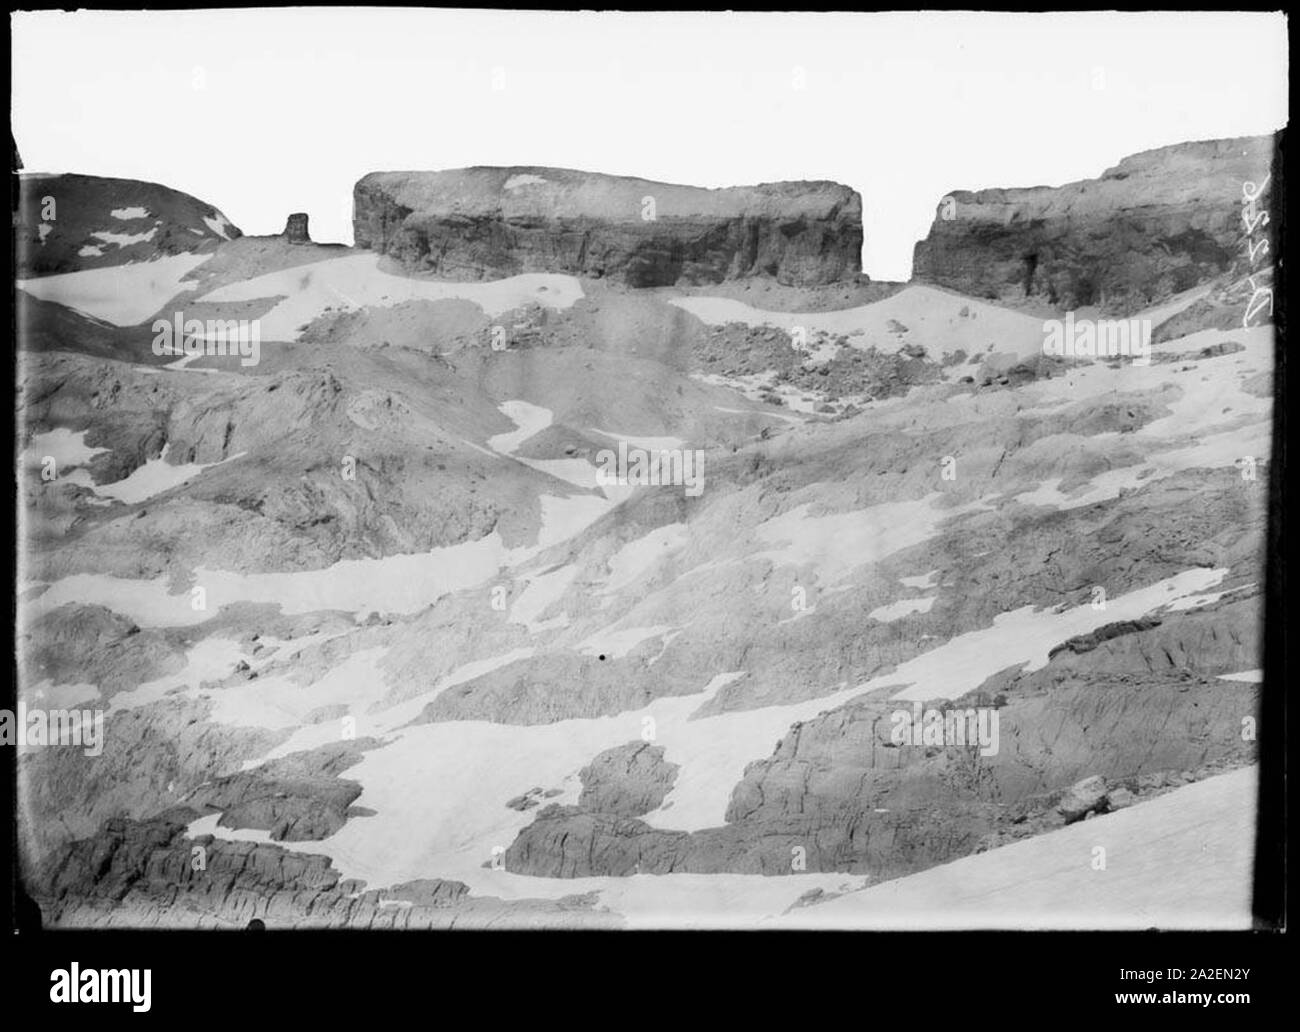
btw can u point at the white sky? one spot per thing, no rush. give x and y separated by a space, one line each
261 113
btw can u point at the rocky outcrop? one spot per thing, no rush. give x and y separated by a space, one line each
629 780
1087 642
533 797
297 798
65 223
736 350
1158 223
560 686
150 874
295 229
487 223
839 794
93 645
152 756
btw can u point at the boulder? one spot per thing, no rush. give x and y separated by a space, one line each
1083 799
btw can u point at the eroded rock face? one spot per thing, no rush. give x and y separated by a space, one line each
486 223
1159 222
65 223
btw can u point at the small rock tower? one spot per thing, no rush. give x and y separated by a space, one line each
295 229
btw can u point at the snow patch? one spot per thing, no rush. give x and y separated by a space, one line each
218 225
66 447
124 295
356 282
125 239
835 545
47 695
1025 636
617 644
528 420
154 477
636 557
645 443
526 179
542 591
933 319
903 607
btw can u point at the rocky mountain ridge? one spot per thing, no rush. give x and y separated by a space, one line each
69 222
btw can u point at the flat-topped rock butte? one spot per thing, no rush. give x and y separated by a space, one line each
480 223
